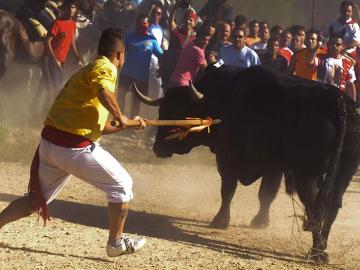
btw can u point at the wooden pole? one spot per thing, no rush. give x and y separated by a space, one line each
179 123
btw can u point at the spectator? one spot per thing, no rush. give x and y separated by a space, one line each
264 37
263 25
58 43
351 28
336 69
275 31
222 37
253 33
241 21
298 42
304 63
272 58
285 41
155 28
140 46
209 27
191 61
238 54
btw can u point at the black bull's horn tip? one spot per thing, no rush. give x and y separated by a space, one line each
147 100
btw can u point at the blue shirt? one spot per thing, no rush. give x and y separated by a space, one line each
244 58
138 54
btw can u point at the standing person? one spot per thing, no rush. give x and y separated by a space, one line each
347 24
264 37
238 54
69 146
155 28
140 46
336 69
253 36
222 37
191 61
304 63
285 41
58 43
272 58
298 41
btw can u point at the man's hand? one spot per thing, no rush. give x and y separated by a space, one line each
58 63
123 121
142 122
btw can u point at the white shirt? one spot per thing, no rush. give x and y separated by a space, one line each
352 30
244 58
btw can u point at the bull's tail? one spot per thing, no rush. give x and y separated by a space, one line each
326 184
7 45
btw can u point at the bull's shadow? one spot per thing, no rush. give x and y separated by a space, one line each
157 226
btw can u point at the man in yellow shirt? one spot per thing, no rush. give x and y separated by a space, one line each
68 146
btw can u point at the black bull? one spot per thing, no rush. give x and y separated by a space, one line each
272 124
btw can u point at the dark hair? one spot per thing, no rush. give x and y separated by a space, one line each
239 29
272 40
67 3
346 4
337 35
141 17
262 23
295 29
252 23
107 40
240 19
275 30
312 31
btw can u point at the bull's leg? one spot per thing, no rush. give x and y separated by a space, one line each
269 187
228 187
347 168
307 191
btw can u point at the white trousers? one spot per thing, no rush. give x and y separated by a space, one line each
92 164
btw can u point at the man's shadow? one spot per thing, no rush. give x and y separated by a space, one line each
158 226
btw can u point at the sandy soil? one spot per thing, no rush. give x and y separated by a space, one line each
175 199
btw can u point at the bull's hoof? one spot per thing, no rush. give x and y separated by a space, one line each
220 223
307 227
319 256
260 222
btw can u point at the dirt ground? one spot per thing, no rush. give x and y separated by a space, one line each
175 199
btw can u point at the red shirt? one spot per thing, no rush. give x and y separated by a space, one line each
178 39
188 65
63 32
286 53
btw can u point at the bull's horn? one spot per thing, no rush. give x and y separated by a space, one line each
195 94
147 100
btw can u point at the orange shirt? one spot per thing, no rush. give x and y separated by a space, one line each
302 69
249 41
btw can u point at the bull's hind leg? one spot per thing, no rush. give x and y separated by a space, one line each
269 187
347 168
228 188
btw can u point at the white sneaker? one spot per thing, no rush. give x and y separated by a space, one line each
125 246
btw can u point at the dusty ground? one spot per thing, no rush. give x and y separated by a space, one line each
175 199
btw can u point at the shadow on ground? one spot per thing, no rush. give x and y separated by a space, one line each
157 226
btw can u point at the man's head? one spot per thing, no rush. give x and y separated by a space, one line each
157 14
209 27
202 40
312 39
254 28
275 31
264 34
238 38
273 46
190 18
142 24
241 21
298 30
70 8
335 45
285 38
112 46
263 25
346 10
224 32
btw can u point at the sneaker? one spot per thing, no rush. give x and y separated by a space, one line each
125 246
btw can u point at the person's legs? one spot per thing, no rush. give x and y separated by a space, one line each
117 213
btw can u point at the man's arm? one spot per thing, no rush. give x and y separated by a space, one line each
75 50
51 51
108 100
172 23
292 64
